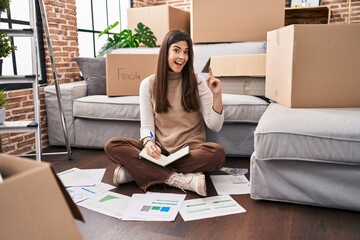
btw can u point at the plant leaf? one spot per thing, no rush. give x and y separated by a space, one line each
127 39
147 36
106 30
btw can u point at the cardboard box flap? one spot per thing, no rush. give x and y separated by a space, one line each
15 167
237 65
34 202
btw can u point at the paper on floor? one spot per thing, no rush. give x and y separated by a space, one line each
201 208
229 184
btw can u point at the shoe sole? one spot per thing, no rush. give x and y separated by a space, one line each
115 175
202 179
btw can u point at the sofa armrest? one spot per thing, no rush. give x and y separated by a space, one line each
69 92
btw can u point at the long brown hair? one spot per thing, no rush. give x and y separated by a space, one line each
190 95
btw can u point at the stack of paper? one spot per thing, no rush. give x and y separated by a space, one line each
82 184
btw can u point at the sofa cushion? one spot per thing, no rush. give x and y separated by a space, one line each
243 108
237 108
108 108
312 134
94 73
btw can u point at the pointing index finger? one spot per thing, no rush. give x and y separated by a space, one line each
210 72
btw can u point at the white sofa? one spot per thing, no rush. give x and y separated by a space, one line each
92 119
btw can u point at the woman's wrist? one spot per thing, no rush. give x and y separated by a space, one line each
146 140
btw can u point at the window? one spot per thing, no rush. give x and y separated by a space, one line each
19 62
93 16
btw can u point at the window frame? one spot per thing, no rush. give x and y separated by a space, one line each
94 32
42 79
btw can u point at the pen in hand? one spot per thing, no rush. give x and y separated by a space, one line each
152 137
155 149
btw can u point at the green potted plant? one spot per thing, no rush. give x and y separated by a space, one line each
3 99
6 45
4 6
126 39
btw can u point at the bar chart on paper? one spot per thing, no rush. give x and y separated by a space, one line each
108 203
154 207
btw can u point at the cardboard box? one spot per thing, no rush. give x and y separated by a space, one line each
125 71
237 65
34 203
235 20
239 74
310 66
160 19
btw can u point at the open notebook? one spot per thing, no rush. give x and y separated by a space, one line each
165 160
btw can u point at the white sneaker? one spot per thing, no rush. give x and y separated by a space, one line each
121 175
191 181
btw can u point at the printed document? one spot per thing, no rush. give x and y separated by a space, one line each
154 207
229 184
76 177
79 194
201 208
108 203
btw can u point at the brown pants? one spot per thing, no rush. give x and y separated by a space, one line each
203 157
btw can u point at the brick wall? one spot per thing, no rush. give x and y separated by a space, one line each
62 23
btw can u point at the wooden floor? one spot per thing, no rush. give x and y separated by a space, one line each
262 220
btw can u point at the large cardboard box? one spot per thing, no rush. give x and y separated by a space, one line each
310 66
34 204
125 71
239 74
160 19
235 20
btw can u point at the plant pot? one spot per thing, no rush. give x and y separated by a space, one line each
2 115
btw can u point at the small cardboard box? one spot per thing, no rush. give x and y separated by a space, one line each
34 204
235 20
125 71
311 66
239 74
237 65
160 19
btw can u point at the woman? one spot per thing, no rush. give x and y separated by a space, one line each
174 105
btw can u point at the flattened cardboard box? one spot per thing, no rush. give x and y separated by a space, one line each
124 72
160 19
314 65
34 204
240 74
234 20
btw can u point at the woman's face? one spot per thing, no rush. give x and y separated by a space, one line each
178 55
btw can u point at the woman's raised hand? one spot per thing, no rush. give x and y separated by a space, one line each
213 83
